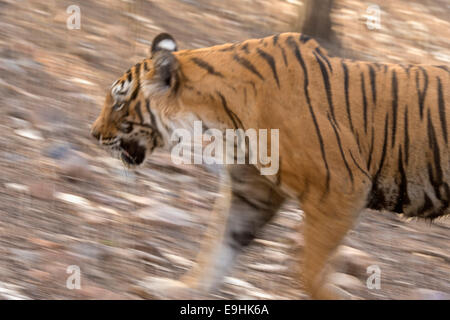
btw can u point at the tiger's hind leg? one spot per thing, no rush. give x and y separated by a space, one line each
327 221
254 201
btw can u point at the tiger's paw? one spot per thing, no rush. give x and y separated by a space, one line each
156 288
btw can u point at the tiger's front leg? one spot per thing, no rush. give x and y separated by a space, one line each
252 202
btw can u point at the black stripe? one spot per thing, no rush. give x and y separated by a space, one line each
363 90
230 113
385 143
271 62
283 52
152 116
291 42
394 106
245 96
275 39
246 200
442 114
278 182
324 58
137 71
427 204
137 107
340 149
135 93
376 64
304 38
432 142
136 77
229 48
248 65
421 92
373 83
347 102
327 85
430 130
437 179
377 199
129 76
176 83
406 68
245 48
358 166
406 133
443 68
145 125
205 65
369 162
255 93
402 197
145 66
358 142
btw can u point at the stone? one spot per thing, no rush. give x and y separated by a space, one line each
345 281
428 294
70 162
352 261
42 190
258 294
152 258
58 151
74 166
93 218
271 268
11 292
39 276
26 258
165 215
73 199
275 256
162 288
17 187
92 292
91 250
29 134
338 292
179 261
146 201
42 243
238 283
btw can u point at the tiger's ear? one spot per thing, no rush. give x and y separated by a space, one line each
166 67
165 64
163 41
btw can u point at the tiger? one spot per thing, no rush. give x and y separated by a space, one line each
352 135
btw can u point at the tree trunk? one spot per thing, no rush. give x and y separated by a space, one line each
315 19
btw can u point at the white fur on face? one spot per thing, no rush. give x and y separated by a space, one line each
120 91
167 44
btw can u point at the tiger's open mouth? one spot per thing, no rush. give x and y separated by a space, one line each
131 152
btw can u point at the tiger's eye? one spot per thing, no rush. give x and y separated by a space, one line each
118 106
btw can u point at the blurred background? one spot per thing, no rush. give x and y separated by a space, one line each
65 202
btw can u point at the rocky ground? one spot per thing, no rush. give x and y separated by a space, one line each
64 201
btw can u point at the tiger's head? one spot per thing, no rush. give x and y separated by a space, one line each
128 124
171 90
